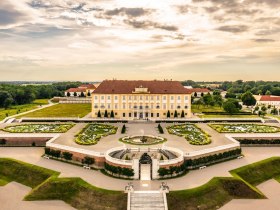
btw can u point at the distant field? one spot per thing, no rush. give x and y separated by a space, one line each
61 110
41 101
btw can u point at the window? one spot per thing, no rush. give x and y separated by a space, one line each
135 97
116 98
95 106
178 107
109 106
158 98
123 114
129 114
164 98
152 97
157 106
123 98
147 114
102 97
116 106
152 114
135 114
108 97
141 98
102 106
95 97
164 106
171 97
147 106
135 106
172 106
186 98
129 97
123 106
179 98
157 114
147 97
140 107
186 106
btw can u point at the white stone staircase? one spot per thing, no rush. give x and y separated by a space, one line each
147 200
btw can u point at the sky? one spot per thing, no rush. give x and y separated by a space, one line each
92 40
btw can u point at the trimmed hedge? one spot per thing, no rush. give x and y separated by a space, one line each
119 171
190 164
259 141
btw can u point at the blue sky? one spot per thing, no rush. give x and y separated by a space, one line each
148 39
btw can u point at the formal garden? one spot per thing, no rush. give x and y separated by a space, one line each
244 128
92 133
143 140
193 134
39 128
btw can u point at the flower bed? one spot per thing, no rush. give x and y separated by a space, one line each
92 133
244 128
192 133
39 128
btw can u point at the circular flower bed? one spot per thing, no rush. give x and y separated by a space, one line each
192 133
92 133
142 140
38 128
244 128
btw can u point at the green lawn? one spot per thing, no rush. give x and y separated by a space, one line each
244 128
47 186
219 190
41 101
228 116
61 110
202 108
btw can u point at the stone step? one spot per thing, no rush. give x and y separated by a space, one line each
149 200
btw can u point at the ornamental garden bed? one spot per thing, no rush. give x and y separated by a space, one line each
193 134
244 128
92 133
39 128
142 140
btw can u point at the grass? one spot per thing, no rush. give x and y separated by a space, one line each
92 133
228 116
61 110
39 128
211 195
244 128
47 186
41 101
219 190
201 108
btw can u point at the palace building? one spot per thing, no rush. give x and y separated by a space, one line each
139 99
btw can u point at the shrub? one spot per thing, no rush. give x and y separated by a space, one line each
3 141
123 129
67 155
119 170
160 129
88 160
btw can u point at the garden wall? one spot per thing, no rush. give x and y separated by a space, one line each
23 141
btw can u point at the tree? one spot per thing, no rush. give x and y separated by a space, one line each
82 94
231 106
267 92
88 160
208 100
88 93
3 141
67 155
160 129
195 94
106 113
182 114
8 102
175 114
99 114
68 94
248 99
123 128
75 94
112 114
168 114
162 171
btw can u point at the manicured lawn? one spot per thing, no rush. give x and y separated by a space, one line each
259 172
244 128
62 110
228 116
24 173
16 110
41 101
212 195
47 186
92 133
191 132
39 128
220 190
201 108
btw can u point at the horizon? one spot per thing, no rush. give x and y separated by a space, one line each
193 39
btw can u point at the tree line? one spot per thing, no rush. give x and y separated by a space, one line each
13 94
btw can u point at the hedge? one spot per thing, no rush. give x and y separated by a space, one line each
117 170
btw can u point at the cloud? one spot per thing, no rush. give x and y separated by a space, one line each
263 40
131 12
233 28
150 24
10 15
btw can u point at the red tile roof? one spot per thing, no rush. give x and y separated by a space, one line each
270 98
128 86
199 90
76 90
87 86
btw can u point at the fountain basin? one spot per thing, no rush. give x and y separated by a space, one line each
143 140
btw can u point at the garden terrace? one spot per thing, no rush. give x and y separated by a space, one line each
244 128
142 140
191 132
39 128
92 133
47 186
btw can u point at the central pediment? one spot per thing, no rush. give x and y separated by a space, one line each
141 89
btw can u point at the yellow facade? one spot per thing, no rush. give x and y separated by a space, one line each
141 105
